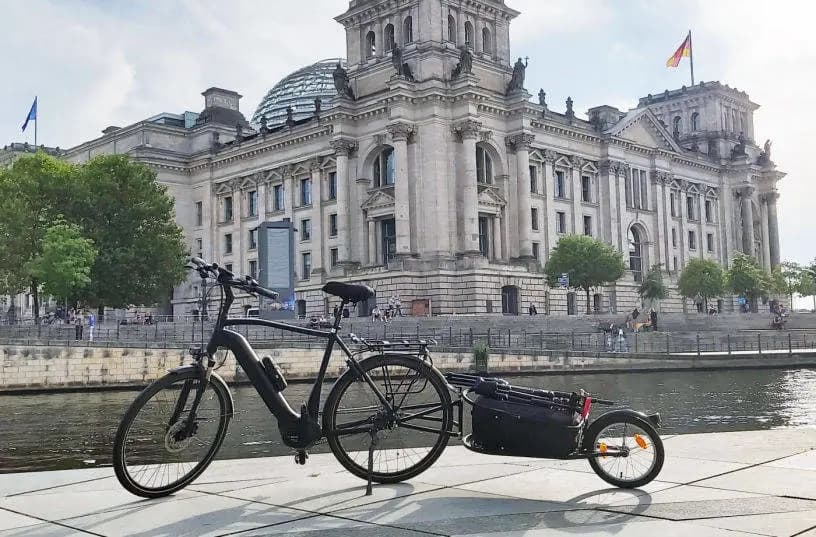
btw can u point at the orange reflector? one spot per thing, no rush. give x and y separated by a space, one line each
640 441
602 447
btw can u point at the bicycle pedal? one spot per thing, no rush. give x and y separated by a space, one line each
300 457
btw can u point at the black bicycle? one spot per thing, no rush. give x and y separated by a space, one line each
386 419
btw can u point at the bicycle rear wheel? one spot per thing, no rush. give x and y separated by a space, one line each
632 437
153 455
407 441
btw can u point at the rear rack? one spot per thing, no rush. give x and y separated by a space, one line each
414 346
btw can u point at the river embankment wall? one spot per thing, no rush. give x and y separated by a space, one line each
24 368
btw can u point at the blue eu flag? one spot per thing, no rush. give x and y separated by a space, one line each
32 114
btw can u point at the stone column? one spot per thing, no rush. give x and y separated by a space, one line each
681 231
766 247
288 195
661 240
747 212
668 223
703 242
372 242
343 147
548 185
773 228
605 228
402 203
497 238
468 130
520 143
620 201
317 219
577 213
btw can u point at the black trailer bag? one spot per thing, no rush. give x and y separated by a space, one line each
504 427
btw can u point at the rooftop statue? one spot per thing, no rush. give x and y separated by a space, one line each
341 82
465 65
517 80
403 69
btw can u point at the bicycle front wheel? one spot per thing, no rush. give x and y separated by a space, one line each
408 440
155 452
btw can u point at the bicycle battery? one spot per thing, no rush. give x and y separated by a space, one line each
274 373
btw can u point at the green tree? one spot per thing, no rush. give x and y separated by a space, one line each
746 278
703 278
64 265
32 197
130 219
588 262
789 279
652 287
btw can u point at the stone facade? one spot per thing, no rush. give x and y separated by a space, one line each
434 175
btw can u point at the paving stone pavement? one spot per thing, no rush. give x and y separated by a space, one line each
718 484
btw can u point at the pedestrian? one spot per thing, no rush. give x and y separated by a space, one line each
91 326
532 310
375 313
78 326
653 319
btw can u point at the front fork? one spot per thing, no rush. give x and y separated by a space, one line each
203 380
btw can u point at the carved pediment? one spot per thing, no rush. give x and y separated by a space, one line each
489 196
224 187
711 192
642 127
378 200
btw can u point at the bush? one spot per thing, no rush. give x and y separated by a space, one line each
481 354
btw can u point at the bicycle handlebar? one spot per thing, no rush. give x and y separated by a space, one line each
225 277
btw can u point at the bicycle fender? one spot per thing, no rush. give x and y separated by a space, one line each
653 419
214 377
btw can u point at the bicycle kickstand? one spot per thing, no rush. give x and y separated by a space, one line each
371 447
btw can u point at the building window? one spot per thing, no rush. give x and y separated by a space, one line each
560 185
384 168
644 191
561 222
678 125
305 191
200 247
672 204
253 239
534 179
692 240
690 207
407 30
451 29
534 215
695 122
674 263
586 189
228 243
277 195
674 237
588 226
484 236
334 256
710 242
199 218
332 225
252 203
484 166
389 38
487 43
468 34
635 254
371 45
332 185
536 250
253 269
228 209
305 229
709 215
306 258
389 240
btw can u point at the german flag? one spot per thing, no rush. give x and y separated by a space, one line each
684 50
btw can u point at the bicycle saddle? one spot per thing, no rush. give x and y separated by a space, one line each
348 291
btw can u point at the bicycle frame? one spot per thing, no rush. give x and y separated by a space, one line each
298 429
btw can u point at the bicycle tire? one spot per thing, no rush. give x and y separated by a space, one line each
120 458
338 444
604 422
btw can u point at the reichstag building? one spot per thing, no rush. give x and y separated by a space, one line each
421 165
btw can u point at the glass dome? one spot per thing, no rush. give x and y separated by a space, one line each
299 90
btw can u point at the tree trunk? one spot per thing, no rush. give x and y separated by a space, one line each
589 311
35 293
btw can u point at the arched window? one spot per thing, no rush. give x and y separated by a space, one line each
695 122
407 30
383 168
635 254
451 29
487 44
678 125
468 34
484 166
389 37
371 45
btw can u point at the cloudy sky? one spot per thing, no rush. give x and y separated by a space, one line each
95 63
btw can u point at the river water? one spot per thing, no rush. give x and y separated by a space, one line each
75 430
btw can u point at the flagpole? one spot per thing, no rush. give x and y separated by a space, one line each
691 59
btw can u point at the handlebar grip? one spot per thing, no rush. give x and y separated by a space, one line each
268 293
